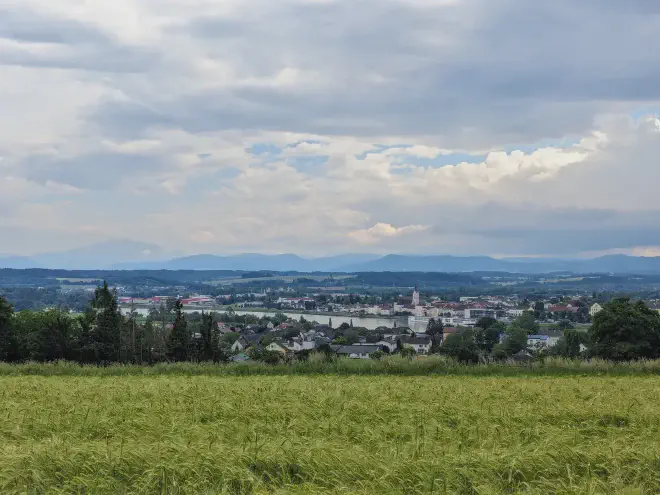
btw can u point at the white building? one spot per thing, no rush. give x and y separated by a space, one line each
595 309
415 297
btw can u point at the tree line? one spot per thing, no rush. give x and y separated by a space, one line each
623 330
102 335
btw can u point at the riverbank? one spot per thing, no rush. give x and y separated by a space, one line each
371 322
301 312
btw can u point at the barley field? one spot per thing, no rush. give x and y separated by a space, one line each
329 434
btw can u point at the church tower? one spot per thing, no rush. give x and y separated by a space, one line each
415 297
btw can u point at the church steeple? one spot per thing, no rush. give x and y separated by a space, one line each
415 296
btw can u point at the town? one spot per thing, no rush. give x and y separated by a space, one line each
414 324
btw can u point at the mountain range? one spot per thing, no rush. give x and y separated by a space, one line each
129 255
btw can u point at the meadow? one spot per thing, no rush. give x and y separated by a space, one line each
293 433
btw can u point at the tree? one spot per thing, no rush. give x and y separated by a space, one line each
435 328
106 334
486 322
177 341
207 340
626 330
408 352
573 341
526 322
565 324
487 338
8 344
377 355
515 340
462 347
330 323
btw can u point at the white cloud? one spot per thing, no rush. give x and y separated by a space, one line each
144 115
379 231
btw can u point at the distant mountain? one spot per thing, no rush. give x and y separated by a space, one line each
605 264
445 263
254 262
18 262
102 255
131 255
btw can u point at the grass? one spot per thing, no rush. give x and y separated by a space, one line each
329 434
318 365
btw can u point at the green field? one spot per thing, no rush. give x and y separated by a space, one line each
329 434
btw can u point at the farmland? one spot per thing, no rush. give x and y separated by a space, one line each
178 433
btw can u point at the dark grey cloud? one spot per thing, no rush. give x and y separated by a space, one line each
477 73
81 46
93 171
29 26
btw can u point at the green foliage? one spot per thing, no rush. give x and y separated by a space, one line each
209 339
106 331
515 340
527 323
8 344
486 322
461 346
435 328
486 338
377 355
178 339
626 330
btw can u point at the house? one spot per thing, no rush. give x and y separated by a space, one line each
240 345
223 329
595 309
355 351
537 341
389 344
421 344
448 331
277 347
245 342
240 358
395 333
523 356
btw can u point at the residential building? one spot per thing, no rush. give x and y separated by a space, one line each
595 309
277 347
240 345
476 313
355 351
421 344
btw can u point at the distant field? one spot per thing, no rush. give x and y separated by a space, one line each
329 434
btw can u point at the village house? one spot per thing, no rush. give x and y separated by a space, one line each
595 309
421 344
355 351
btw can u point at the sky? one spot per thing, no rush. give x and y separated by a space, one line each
319 127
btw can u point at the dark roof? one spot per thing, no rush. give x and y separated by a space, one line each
551 333
398 331
355 349
424 340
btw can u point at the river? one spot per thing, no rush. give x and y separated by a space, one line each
323 319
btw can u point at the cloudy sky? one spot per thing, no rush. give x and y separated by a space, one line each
508 127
